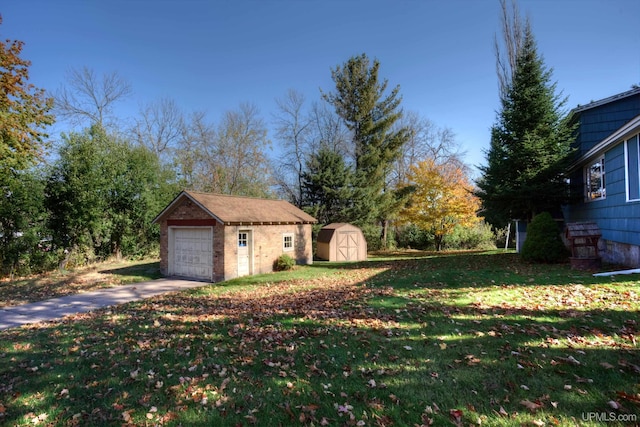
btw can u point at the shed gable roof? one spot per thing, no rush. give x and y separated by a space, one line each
327 232
238 210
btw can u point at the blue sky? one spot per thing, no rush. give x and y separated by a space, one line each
213 55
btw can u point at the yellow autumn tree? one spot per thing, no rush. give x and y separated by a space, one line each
442 198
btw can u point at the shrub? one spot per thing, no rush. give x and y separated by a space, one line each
543 243
478 236
284 263
412 237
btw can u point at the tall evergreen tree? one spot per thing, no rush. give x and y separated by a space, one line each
326 187
369 114
530 144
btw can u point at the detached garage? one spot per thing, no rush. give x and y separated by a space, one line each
341 242
216 237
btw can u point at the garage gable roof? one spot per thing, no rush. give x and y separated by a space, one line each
238 210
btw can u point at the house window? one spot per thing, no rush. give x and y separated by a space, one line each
287 241
242 239
594 177
632 173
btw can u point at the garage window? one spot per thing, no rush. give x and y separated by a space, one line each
287 241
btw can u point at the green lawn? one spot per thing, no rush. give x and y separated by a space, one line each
464 339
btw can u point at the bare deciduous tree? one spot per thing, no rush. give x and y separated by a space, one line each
427 141
89 97
513 30
329 131
293 130
159 126
229 158
242 162
196 134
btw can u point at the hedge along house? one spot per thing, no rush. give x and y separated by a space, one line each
605 178
341 242
217 237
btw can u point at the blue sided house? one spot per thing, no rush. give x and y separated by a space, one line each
605 178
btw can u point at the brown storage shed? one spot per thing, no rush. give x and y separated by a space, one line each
215 237
341 242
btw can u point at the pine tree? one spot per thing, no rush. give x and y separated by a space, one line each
326 187
370 115
530 145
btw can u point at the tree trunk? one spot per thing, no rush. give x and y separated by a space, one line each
67 257
438 242
385 230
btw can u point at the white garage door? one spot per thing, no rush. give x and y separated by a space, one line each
191 253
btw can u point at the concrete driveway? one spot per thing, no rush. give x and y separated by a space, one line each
11 317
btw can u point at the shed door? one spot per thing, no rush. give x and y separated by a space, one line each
347 246
244 252
191 253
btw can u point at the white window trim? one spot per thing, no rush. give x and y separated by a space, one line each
284 245
587 170
626 166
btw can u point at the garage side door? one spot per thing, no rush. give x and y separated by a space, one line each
192 253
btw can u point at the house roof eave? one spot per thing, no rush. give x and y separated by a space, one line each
627 130
593 104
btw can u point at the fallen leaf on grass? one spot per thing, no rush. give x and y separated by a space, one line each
583 380
568 360
456 416
532 406
635 398
635 368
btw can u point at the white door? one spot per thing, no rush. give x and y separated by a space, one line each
191 251
244 252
